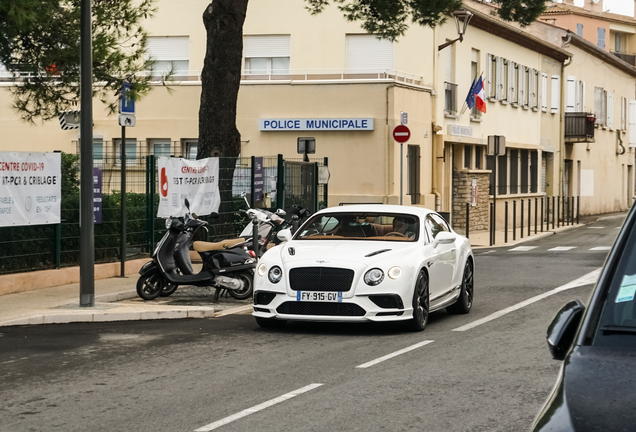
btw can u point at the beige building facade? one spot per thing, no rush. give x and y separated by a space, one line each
322 76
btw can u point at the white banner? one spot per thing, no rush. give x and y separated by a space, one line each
30 188
198 181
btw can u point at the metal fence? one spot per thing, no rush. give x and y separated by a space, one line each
286 182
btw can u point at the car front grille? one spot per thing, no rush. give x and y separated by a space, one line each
264 297
320 308
320 279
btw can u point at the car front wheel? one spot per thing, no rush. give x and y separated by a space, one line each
420 304
465 301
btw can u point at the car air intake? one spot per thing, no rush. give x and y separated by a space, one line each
264 297
320 279
320 308
387 301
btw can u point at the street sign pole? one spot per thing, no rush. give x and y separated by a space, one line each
496 147
401 169
87 241
401 134
126 118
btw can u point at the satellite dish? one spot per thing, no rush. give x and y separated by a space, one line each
595 1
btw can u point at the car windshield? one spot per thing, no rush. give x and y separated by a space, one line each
361 226
617 322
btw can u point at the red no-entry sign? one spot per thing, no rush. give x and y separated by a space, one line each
401 134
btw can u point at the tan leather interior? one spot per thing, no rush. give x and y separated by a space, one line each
382 230
201 246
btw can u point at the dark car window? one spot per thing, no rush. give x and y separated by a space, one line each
361 226
617 322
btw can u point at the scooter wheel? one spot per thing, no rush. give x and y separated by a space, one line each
168 289
248 286
150 286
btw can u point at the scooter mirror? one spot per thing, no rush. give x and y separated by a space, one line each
187 204
243 194
281 212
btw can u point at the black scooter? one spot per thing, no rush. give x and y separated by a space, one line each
226 265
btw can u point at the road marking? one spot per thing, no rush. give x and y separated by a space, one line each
257 408
596 227
395 354
522 248
562 248
587 279
601 248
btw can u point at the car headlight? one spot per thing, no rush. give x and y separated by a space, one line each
275 274
373 277
395 272
262 269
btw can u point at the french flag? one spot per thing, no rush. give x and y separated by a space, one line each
480 95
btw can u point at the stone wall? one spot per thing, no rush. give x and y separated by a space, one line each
479 214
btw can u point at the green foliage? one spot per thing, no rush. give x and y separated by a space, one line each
70 174
40 45
389 18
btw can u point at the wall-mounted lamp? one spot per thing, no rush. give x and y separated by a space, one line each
461 21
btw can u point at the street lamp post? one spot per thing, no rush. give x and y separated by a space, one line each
462 18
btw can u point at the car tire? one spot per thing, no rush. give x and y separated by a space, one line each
421 304
270 322
464 302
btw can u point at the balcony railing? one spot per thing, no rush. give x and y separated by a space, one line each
626 57
450 97
579 127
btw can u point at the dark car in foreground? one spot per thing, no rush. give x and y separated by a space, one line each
596 387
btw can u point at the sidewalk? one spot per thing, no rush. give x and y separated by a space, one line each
116 298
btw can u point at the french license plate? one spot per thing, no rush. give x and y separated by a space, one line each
335 297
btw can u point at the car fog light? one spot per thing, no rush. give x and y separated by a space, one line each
373 277
262 269
275 274
395 272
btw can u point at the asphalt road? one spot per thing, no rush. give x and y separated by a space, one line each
183 375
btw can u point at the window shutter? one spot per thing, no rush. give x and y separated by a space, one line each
544 91
169 48
601 38
554 106
571 94
499 80
368 54
522 85
449 64
266 46
622 113
579 30
489 75
533 88
632 123
598 105
512 97
610 109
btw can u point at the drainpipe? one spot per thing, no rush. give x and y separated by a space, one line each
388 136
564 81
438 196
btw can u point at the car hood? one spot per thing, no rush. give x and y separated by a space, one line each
596 392
341 251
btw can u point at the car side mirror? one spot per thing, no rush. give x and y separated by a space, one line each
444 237
284 235
563 329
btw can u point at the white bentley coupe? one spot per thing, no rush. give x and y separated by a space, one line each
365 263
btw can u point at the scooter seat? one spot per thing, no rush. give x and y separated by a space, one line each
201 246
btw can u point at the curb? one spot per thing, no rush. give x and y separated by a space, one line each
533 237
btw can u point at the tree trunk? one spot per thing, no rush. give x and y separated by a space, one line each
220 78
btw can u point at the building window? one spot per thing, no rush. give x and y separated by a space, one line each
512 82
491 78
555 94
534 166
579 30
502 174
413 157
468 155
478 156
544 92
526 87
523 165
98 149
170 53
266 55
514 171
191 147
160 147
601 38
131 151
618 43
474 71
366 54
600 106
